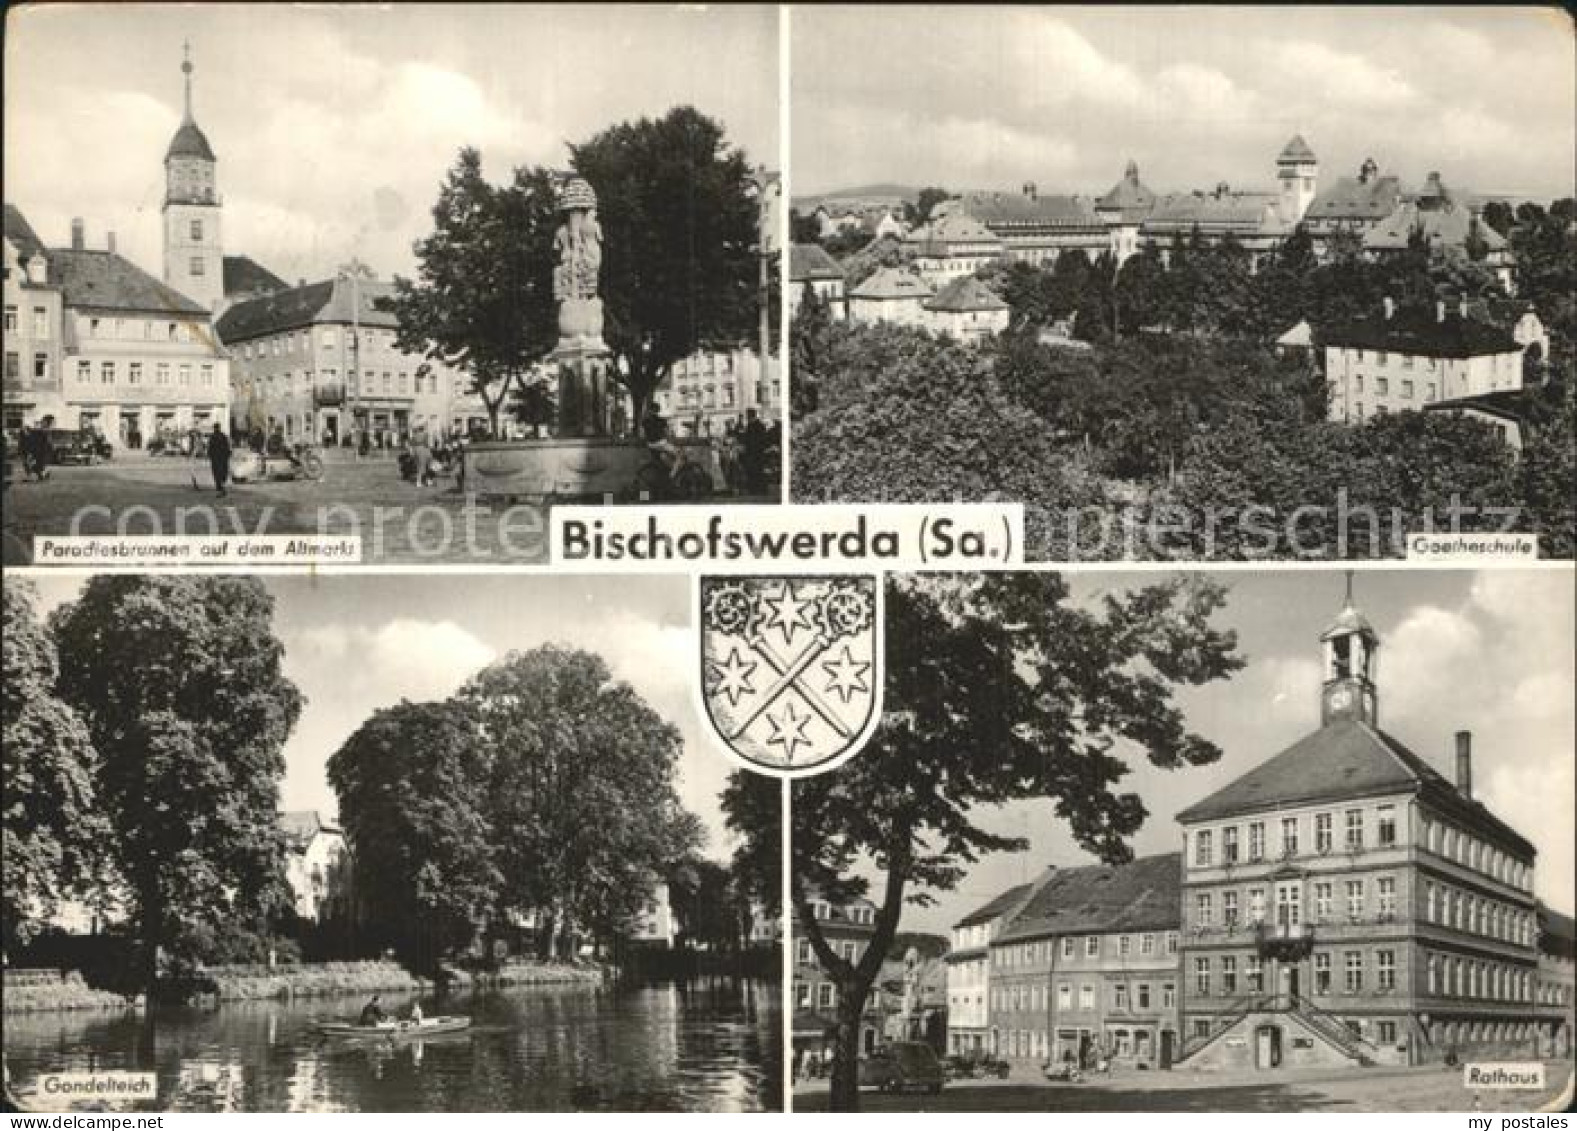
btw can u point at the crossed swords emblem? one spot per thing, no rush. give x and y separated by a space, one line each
843 612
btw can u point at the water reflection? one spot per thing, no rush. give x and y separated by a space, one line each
708 1045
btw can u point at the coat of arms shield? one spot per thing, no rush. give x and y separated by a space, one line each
791 668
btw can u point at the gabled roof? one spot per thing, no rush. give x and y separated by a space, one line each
986 912
1423 334
965 294
954 227
1341 761
1017 209
1448 225
1351 199
329 302
812 261
893 283
243 275
103 280
21 233
1246 212
1144 894
190 141
1296 150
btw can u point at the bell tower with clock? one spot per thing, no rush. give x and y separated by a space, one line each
1351 650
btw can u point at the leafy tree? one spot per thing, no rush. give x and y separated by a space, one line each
808 336
580 794
482 300
803 228
52 828
535 404
680 241
413 799
179 682
925 204
753 811
710 908
887 251
998 689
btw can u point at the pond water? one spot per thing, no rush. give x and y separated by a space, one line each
712 1044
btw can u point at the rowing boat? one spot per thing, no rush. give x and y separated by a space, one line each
426 1027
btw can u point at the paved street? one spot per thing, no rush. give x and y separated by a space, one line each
1371 1089
398 522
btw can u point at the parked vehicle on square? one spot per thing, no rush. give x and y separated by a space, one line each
301 461
77 447
906 1066
1066 1071
978 1065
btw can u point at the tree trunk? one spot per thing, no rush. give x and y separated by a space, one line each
845 1095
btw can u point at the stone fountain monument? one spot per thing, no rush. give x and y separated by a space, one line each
586 457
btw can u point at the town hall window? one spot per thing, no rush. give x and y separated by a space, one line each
1229 844
197 229
1355 899
1202 977
1354 828
1204 850
1092 946
1385 969
1386 820
1352 980
1203 911
1256 840
1229 974
1289 836
1229 908
1322 901
1322 973
1385 893
1322 832
197 265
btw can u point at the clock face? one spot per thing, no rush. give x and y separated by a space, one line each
1342 697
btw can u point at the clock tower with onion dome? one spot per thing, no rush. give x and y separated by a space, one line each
1351 651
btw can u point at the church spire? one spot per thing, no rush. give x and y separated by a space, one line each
186 72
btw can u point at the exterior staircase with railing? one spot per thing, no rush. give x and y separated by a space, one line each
1330 1027
1224 1023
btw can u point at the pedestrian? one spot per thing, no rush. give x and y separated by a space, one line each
754 443
363 443
37 451
422 456
219 459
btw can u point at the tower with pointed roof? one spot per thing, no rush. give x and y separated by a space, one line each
193 244
1351 649
1298 172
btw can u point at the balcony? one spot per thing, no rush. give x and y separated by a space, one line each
1288 942
328 394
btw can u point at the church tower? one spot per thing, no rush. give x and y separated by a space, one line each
193 249
1351 650
1298 172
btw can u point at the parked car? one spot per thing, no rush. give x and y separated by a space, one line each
69 446
907 1066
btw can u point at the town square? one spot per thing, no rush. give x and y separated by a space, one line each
559 330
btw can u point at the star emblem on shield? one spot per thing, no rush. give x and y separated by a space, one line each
791 668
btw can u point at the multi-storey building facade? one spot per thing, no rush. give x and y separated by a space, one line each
317 865
1345 902
33 328
1414 360
1088 968
969 971
810 266
848 928
321 362
712 389
140 361
1557 982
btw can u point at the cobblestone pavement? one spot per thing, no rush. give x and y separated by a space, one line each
1430 1088
399 523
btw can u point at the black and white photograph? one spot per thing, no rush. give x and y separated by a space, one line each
363 843
1252 841
1189 283
408 273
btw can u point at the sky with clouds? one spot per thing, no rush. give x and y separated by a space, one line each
971 97
1490 652
334 125
354 645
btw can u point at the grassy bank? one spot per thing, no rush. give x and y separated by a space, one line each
255 983
67 992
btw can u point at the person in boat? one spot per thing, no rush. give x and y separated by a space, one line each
372 1013
416 1013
